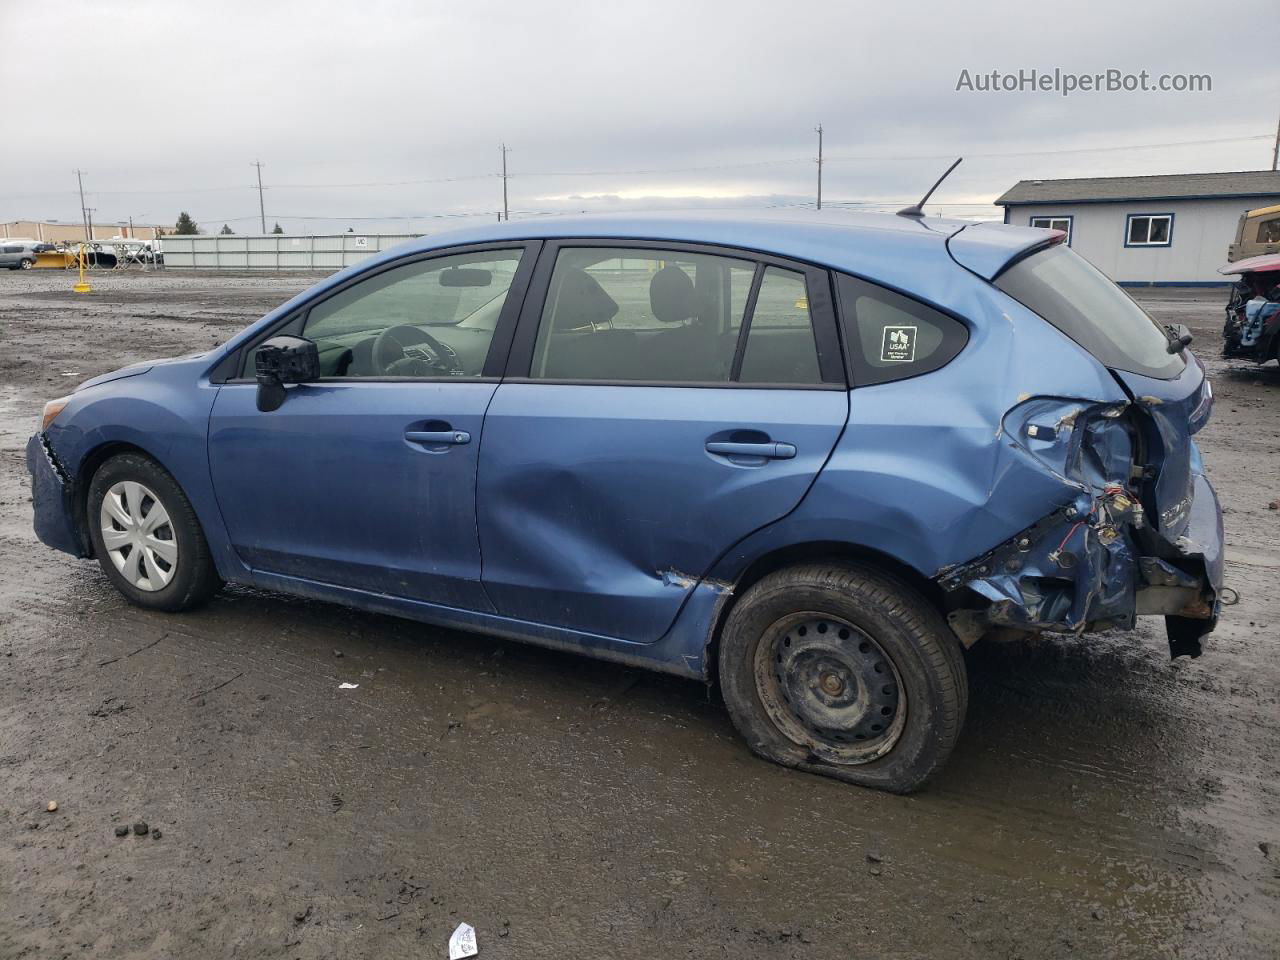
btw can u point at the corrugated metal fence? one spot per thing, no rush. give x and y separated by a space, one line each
279 251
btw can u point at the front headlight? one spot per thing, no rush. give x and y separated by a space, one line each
51 411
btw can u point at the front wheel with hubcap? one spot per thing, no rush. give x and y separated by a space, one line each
845 672
146 536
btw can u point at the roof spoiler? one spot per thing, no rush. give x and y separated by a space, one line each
988 249
916 210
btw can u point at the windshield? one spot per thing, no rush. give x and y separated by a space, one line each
1079 300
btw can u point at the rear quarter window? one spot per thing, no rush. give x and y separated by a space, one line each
1077 298
892 337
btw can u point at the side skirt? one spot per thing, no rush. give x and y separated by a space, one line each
678 652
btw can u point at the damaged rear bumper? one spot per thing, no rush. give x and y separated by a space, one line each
52 499
1098 561
1252 332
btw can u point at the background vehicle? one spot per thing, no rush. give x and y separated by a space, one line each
1257 233
812 474
1252 329
18 254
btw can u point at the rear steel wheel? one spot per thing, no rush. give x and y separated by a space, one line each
828 686
844 671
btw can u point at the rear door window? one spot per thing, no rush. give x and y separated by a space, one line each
1078 299
892 337
780 345
644 315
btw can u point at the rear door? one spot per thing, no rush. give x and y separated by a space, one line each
661 403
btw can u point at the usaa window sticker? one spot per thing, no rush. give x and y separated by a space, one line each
899 345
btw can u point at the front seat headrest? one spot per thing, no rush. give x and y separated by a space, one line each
671 295
582 301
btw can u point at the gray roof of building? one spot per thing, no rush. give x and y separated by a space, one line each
1177 186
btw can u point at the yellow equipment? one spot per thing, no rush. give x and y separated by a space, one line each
81 286
54 260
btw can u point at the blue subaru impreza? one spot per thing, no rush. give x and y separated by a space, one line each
811 458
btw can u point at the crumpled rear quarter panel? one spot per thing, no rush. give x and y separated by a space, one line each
923 471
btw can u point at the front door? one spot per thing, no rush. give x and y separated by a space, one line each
661 404
366 477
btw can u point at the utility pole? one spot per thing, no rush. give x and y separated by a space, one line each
1275 153
506 215
130 226
818 130
262 210
84 217
88 212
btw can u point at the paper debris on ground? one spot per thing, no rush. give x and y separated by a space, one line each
463 942
348 686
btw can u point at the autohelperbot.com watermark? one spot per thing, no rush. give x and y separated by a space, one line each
1065 82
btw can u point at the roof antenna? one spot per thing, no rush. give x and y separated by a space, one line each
917 210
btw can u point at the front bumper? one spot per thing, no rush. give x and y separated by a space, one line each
52 499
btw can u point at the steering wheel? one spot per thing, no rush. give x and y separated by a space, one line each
407 351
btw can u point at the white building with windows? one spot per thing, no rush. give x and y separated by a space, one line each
1168 230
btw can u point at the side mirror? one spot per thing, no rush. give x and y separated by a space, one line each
282 360
1180 337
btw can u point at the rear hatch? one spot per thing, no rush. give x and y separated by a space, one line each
1169 393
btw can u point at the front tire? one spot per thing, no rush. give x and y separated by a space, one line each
845 672
25 264
146 536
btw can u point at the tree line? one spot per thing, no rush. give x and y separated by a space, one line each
187 227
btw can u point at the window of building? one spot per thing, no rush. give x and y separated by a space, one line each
1062 223
1149 230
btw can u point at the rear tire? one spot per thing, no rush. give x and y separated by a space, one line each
845 672
158 557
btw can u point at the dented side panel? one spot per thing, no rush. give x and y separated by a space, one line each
600 508
1084 507
925 472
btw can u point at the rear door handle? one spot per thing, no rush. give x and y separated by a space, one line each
771 451
437 436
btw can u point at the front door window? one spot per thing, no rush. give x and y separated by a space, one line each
430 318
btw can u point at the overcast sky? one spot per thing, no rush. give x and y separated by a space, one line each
395 111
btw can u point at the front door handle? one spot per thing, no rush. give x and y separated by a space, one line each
771 451
437 436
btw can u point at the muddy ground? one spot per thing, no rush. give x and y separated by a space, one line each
1103 801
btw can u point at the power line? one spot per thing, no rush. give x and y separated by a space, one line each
745 165
1054 153
651 170
381 183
